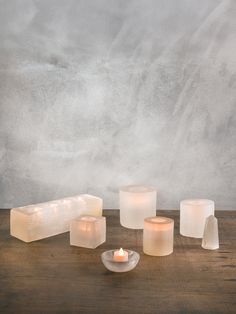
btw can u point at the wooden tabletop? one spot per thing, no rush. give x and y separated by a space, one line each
50 276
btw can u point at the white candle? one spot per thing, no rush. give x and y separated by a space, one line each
193 214
120 255
35 222
88 231
158 236
136 203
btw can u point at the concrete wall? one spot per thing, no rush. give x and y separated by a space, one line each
99 94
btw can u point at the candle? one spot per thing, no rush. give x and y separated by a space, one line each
94 205
120 255
136 203
193 214
35 222
120 261
158 236
88 231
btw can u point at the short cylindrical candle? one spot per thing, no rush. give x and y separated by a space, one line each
158 236
193 214
136 203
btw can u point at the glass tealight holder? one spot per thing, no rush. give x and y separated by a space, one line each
117 266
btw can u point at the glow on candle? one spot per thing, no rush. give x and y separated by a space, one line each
86 226
158 236
120 255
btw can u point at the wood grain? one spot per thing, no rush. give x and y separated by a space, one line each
50 276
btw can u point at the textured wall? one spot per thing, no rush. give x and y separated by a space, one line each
98 94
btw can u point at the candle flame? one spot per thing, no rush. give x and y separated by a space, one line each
121 252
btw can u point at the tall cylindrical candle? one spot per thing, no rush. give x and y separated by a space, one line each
136 203
193 214
158 236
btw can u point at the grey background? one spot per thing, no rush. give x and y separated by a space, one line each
99 94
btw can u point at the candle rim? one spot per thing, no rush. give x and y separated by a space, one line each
136 188
165 220
197 202
95 218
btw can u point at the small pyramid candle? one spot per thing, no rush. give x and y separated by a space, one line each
210 239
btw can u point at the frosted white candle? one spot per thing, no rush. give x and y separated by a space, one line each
193 214
120 255
88 231
158 235
136 203
35 222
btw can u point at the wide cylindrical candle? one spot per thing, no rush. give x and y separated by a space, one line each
193 214
158 236
136 203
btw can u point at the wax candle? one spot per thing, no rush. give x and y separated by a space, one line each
136 203
193 214
158 236
120 255
35 222
88 231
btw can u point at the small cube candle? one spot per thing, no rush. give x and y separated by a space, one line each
136 203
158 236
88 231
35 222
193 214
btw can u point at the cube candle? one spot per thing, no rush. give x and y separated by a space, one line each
35 222
193 214
136 203
158 236
88 231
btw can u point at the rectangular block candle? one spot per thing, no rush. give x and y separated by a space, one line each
35 222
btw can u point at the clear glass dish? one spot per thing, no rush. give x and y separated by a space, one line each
120 267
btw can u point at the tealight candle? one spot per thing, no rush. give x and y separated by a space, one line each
120 255
158 236
193 214
136 203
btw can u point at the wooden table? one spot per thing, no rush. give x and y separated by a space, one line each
50 276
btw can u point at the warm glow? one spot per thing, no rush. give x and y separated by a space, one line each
120 255
121 252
